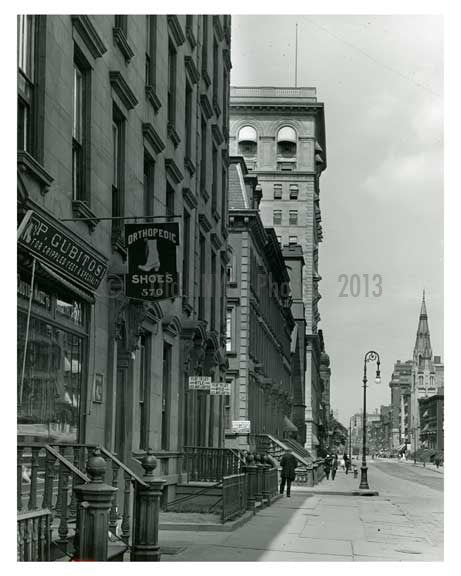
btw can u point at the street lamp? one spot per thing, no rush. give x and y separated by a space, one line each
370 356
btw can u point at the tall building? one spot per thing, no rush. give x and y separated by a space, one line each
281 134
121 118
260 324
427 376
412 383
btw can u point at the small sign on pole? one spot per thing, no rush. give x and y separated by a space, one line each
199 383
220 388
241 426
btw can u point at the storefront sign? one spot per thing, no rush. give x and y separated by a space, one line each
241 426
55 246
199 382
220 388
152 270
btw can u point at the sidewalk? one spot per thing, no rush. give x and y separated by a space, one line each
315 524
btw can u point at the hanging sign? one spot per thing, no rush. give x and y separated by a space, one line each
152 269
220 388
55 245
199 382
241 426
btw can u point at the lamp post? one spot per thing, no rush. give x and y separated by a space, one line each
370 356
350 439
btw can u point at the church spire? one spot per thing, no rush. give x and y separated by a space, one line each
423 349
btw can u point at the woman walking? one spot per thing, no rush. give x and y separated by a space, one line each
334 467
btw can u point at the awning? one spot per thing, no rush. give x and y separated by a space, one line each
286 134
288 425
315 440
71 287
247 134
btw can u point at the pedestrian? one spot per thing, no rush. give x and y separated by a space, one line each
343 463
288 464
334 467
348 463
437 460
327 466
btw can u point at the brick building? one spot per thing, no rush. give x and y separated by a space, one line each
281 134
260 323
121 116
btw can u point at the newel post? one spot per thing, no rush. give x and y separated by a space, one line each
251 470
94 501
145 547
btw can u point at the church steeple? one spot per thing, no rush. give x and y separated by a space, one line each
422 353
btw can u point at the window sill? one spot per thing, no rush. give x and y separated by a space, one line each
118 244
151 95
206 77
204 194
80 209
216 108
121 40
187 306
173 135
28 164
190 166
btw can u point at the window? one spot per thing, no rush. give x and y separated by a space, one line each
149 180
26 78
121 21
205 44
230 339
292 239
201 303
118 158
294 191
213 291
277 217
293 217
214 184
151 50
286 142
166 395
224 199
277 191
203 157
80 129
215 72
247 141
185 259
188 120
144 391
170 198
171 83
225 89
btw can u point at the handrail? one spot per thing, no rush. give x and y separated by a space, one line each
33 514
58 456
123 466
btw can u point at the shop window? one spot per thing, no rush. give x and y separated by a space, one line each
50 388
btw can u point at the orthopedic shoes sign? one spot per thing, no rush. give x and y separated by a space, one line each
152 269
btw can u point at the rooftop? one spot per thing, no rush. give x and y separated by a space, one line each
272 94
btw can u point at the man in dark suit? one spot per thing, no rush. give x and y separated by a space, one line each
288 463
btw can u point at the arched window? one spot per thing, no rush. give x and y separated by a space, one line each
247 141
286 142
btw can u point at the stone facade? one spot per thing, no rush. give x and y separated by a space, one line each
260 322
129 118
280 132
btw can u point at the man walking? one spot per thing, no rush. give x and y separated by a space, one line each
327 466
288 464
334 467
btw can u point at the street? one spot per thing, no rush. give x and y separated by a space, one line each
325 523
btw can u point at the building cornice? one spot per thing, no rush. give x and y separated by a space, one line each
152 137
89 34
173 171
176 29
122 89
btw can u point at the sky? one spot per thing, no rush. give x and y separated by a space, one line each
381 81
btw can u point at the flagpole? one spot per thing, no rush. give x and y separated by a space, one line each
296 57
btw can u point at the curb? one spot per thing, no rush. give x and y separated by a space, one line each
208 527
343 492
